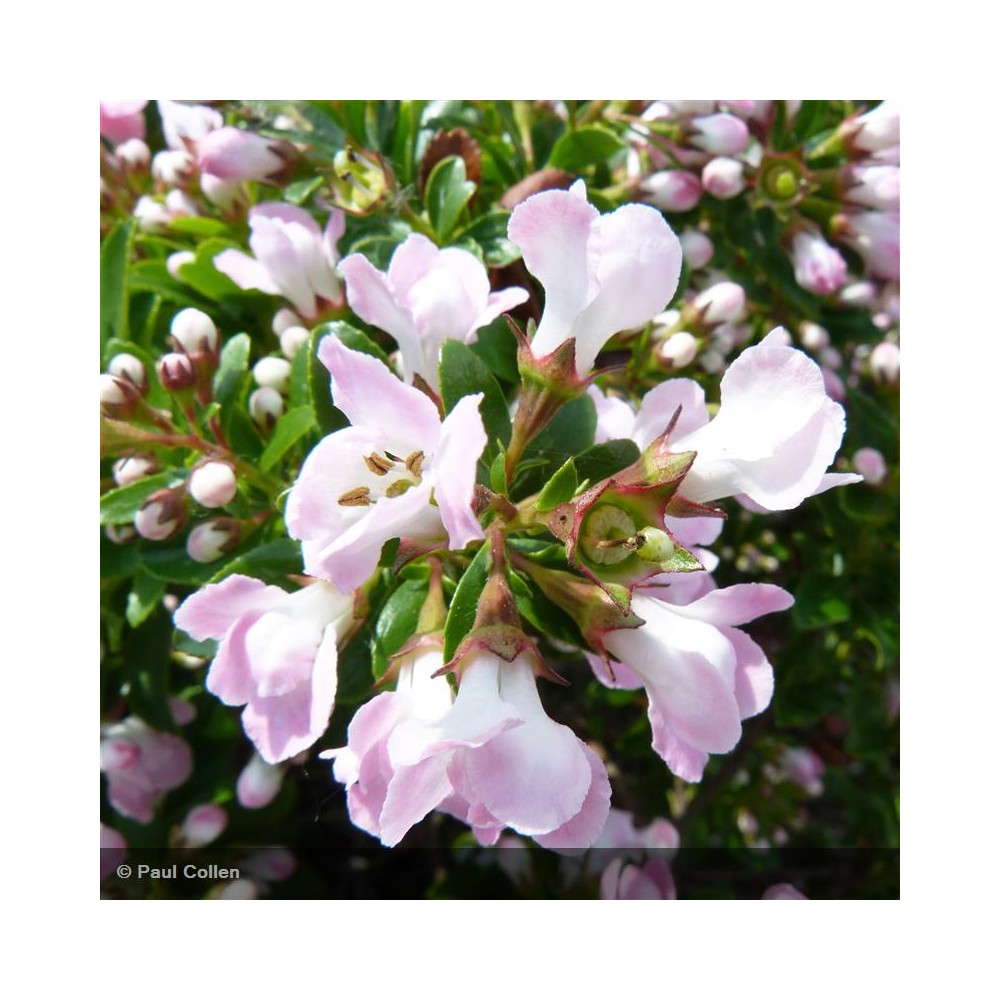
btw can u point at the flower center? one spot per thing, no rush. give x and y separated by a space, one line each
393 477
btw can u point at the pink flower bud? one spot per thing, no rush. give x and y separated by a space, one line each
858 293
120 534
871 465
258 783
194 331
783 890
227 195
876 130
272 373
830 357
721 135
265 406
179 204
129 367
181 711
875 236
118 397
132 468
160 516
283 319
697 249
112 850
212 484
724 302
176 372
233 154
813 336
884 361
723 177
176 261
118 754
672 190
712 361
173 167
818 267
202 825
874 186
292 338
151 214
213 539
679 349
122 120
833 385
133 155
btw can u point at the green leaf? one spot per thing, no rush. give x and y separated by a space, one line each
498 472
603 460
147 666
298 380
115 253
152 276
819 602
158 396
120 506
559 488
146 594
199 225
287 431
548 618
274 559
496 347
117 561
570 432
299 191
234 363
446 195
464 374
396 623
203 276
462 612
490 232
174 565
586 146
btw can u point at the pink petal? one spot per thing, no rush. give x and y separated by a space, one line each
283 726
413 792
463 439
684 760
661 403
754 674
245 271
740 604
235 154
274 247
586 826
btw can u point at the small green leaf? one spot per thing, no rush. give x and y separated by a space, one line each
234 363
299 191
446 195
199 225
464 374
586 146
298 380
603 460
174 565
120 506
152 276
147 666
203 276
462 612
274 559
396 623
115 253
498 472
146 594
490 233
117 561
287 431
548 618
496 347
559 488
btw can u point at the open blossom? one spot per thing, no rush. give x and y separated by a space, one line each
141 765
774 436
292 258
601 273
369 483
491 757
702 674
277 655
426 297
819 268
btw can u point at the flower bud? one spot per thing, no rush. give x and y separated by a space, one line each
202 825
129 367
232 154
721 135
212 484
161 516
724 302
870 464
874 186
176 372
723 177
179 204
225 194
819 268
713 361
194 331
362 181
813 336
120 534
132 468
697 249
258 783
830 357
858 293
884 361
266 406
672 190
173 167
151 214
679 349
176 261
272 373
292 338
876 130
283 319
133 155
119 397
181 711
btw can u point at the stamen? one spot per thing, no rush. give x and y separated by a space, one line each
414 463
378 464
359 497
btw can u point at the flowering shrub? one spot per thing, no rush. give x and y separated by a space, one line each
479 474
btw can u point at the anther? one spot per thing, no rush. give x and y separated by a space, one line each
414 462
378 464
359 497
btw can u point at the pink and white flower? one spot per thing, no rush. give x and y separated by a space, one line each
277 655
702 674
426 297
491 757
374 481
141 765
292 258
601 273
653 880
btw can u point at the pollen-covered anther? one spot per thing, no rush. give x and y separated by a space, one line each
378 464
359 497
414 463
